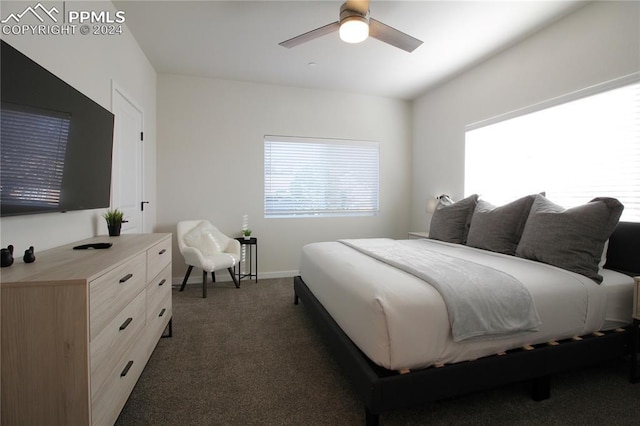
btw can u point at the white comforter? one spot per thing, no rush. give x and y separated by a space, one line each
400 322
482 302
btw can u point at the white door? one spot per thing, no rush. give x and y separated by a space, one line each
127 170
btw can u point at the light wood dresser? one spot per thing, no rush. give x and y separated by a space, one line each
78 327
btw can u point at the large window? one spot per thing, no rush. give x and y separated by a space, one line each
320 177
576 148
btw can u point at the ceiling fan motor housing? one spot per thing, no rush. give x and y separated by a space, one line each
354 24
346 14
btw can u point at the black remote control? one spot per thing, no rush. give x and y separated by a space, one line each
93 246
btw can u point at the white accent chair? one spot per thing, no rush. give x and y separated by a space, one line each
203 246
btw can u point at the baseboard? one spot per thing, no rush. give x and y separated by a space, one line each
222 276
279 274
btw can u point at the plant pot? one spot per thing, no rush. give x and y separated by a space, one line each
114 229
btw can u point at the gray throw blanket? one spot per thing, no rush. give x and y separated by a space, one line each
482 302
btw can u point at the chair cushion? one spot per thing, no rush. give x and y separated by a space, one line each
218 261
206 238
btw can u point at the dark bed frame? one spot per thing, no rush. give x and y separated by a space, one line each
383 390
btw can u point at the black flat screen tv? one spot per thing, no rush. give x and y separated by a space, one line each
55 143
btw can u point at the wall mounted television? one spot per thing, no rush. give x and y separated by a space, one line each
55 143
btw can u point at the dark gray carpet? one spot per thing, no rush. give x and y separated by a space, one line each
249 356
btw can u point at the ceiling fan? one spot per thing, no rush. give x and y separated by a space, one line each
355 26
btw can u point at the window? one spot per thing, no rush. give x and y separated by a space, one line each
320 177
583 146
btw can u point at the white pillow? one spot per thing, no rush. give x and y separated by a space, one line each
206 238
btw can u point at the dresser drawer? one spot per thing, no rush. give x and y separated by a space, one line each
158 288
108 403
158 257
115 339
157 320
110 293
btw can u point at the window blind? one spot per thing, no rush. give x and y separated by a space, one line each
575 151
320 177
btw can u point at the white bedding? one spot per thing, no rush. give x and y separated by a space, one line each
482 302
401 322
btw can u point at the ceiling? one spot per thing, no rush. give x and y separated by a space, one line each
238 40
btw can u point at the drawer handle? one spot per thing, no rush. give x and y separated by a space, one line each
126 369
162 282
163 251
162 312
126 323
126 278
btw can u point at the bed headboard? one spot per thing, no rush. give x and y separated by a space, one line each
623 254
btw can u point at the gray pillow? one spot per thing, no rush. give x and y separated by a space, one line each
499 228
451 223
571 239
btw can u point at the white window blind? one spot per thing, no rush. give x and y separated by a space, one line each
574 151
320 177
34 144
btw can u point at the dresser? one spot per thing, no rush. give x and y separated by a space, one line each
78 327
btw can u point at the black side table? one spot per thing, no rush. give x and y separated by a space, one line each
253 246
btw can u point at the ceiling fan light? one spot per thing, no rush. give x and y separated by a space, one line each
354 29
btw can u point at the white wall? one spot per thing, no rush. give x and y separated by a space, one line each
597 43
210 160
89 64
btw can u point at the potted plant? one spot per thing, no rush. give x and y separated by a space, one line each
246 233
114 219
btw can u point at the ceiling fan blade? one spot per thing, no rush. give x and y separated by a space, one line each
392 36
313 34
360 6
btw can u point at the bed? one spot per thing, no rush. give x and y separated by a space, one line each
393 335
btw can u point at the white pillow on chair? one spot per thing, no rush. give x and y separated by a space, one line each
206 238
